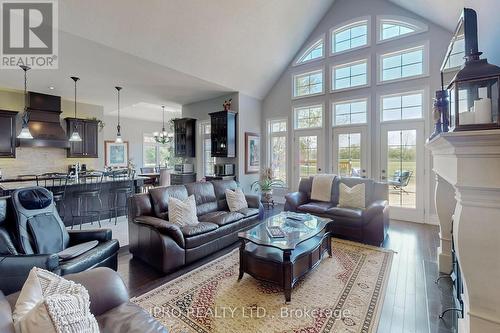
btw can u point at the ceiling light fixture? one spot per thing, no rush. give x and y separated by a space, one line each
119 138
25 130
162 137
52 87
75 136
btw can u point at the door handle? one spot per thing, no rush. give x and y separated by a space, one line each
319 169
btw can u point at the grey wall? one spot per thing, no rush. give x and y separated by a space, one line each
279 103
132 131
249 120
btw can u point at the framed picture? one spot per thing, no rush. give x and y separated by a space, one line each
116 154
252 152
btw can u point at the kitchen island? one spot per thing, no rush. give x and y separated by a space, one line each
67 210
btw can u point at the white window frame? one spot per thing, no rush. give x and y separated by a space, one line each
347 25
454 68
203 138
270 136
311 71
425 107
348 64
157 147
334 102
307 105
419 27
425 62
308 49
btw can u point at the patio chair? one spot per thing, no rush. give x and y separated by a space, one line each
400 179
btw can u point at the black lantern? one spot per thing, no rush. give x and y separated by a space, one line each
474 92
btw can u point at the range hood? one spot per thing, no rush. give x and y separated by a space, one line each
44 122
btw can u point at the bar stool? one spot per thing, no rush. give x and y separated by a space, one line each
56 183
150 182
119 194
90 193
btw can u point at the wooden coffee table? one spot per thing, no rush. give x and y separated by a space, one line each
284 261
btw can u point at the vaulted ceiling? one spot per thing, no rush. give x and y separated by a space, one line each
180 51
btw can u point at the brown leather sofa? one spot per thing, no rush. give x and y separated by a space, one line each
367 225
167 246
109 303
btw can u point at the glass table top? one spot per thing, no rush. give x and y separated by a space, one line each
297 228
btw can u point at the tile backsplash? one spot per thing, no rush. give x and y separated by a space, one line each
32 161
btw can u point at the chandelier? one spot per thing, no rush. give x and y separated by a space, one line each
162 136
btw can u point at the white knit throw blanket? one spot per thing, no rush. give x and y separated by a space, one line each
322 187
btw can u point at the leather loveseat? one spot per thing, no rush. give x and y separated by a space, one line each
32 234
167 246
367 225
109 303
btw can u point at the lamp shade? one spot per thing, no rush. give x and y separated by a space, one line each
75 137
25 133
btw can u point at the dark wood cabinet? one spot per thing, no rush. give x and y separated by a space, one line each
89 132
184 137
223 133
7 133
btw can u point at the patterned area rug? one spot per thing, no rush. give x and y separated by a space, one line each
343 294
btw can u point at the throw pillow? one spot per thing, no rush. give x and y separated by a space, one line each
352 197
54 304
182 212
236 200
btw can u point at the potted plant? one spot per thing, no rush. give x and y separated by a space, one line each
266 183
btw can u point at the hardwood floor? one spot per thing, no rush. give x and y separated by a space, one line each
413 300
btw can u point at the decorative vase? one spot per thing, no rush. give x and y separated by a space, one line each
267 195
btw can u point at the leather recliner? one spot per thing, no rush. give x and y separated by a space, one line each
368 225
109 303
167 246
32 234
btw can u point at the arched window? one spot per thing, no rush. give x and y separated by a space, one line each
313 52
350 36
395 27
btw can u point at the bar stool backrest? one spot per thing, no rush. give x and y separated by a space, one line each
91 181
54 181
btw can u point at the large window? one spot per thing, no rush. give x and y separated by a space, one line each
350 75
402 64
155 154
390 29
307 84
350 112
278 148
349 154
352 36
308 116
457 54
208 160
402 106
313 52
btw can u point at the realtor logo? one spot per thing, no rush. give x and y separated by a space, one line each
29 34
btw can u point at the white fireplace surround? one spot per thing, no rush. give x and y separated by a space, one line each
467 167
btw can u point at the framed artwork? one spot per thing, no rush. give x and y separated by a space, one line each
116 154
252 153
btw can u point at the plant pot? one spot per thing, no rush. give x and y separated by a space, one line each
267 195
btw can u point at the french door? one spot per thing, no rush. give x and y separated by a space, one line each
350 151
402 168
308 154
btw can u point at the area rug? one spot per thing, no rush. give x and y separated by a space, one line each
342 294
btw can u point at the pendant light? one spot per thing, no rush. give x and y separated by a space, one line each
118 128
75 136
25 130
162 136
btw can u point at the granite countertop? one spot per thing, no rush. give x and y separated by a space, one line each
14 185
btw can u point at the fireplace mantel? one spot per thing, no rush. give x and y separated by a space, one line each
467 167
